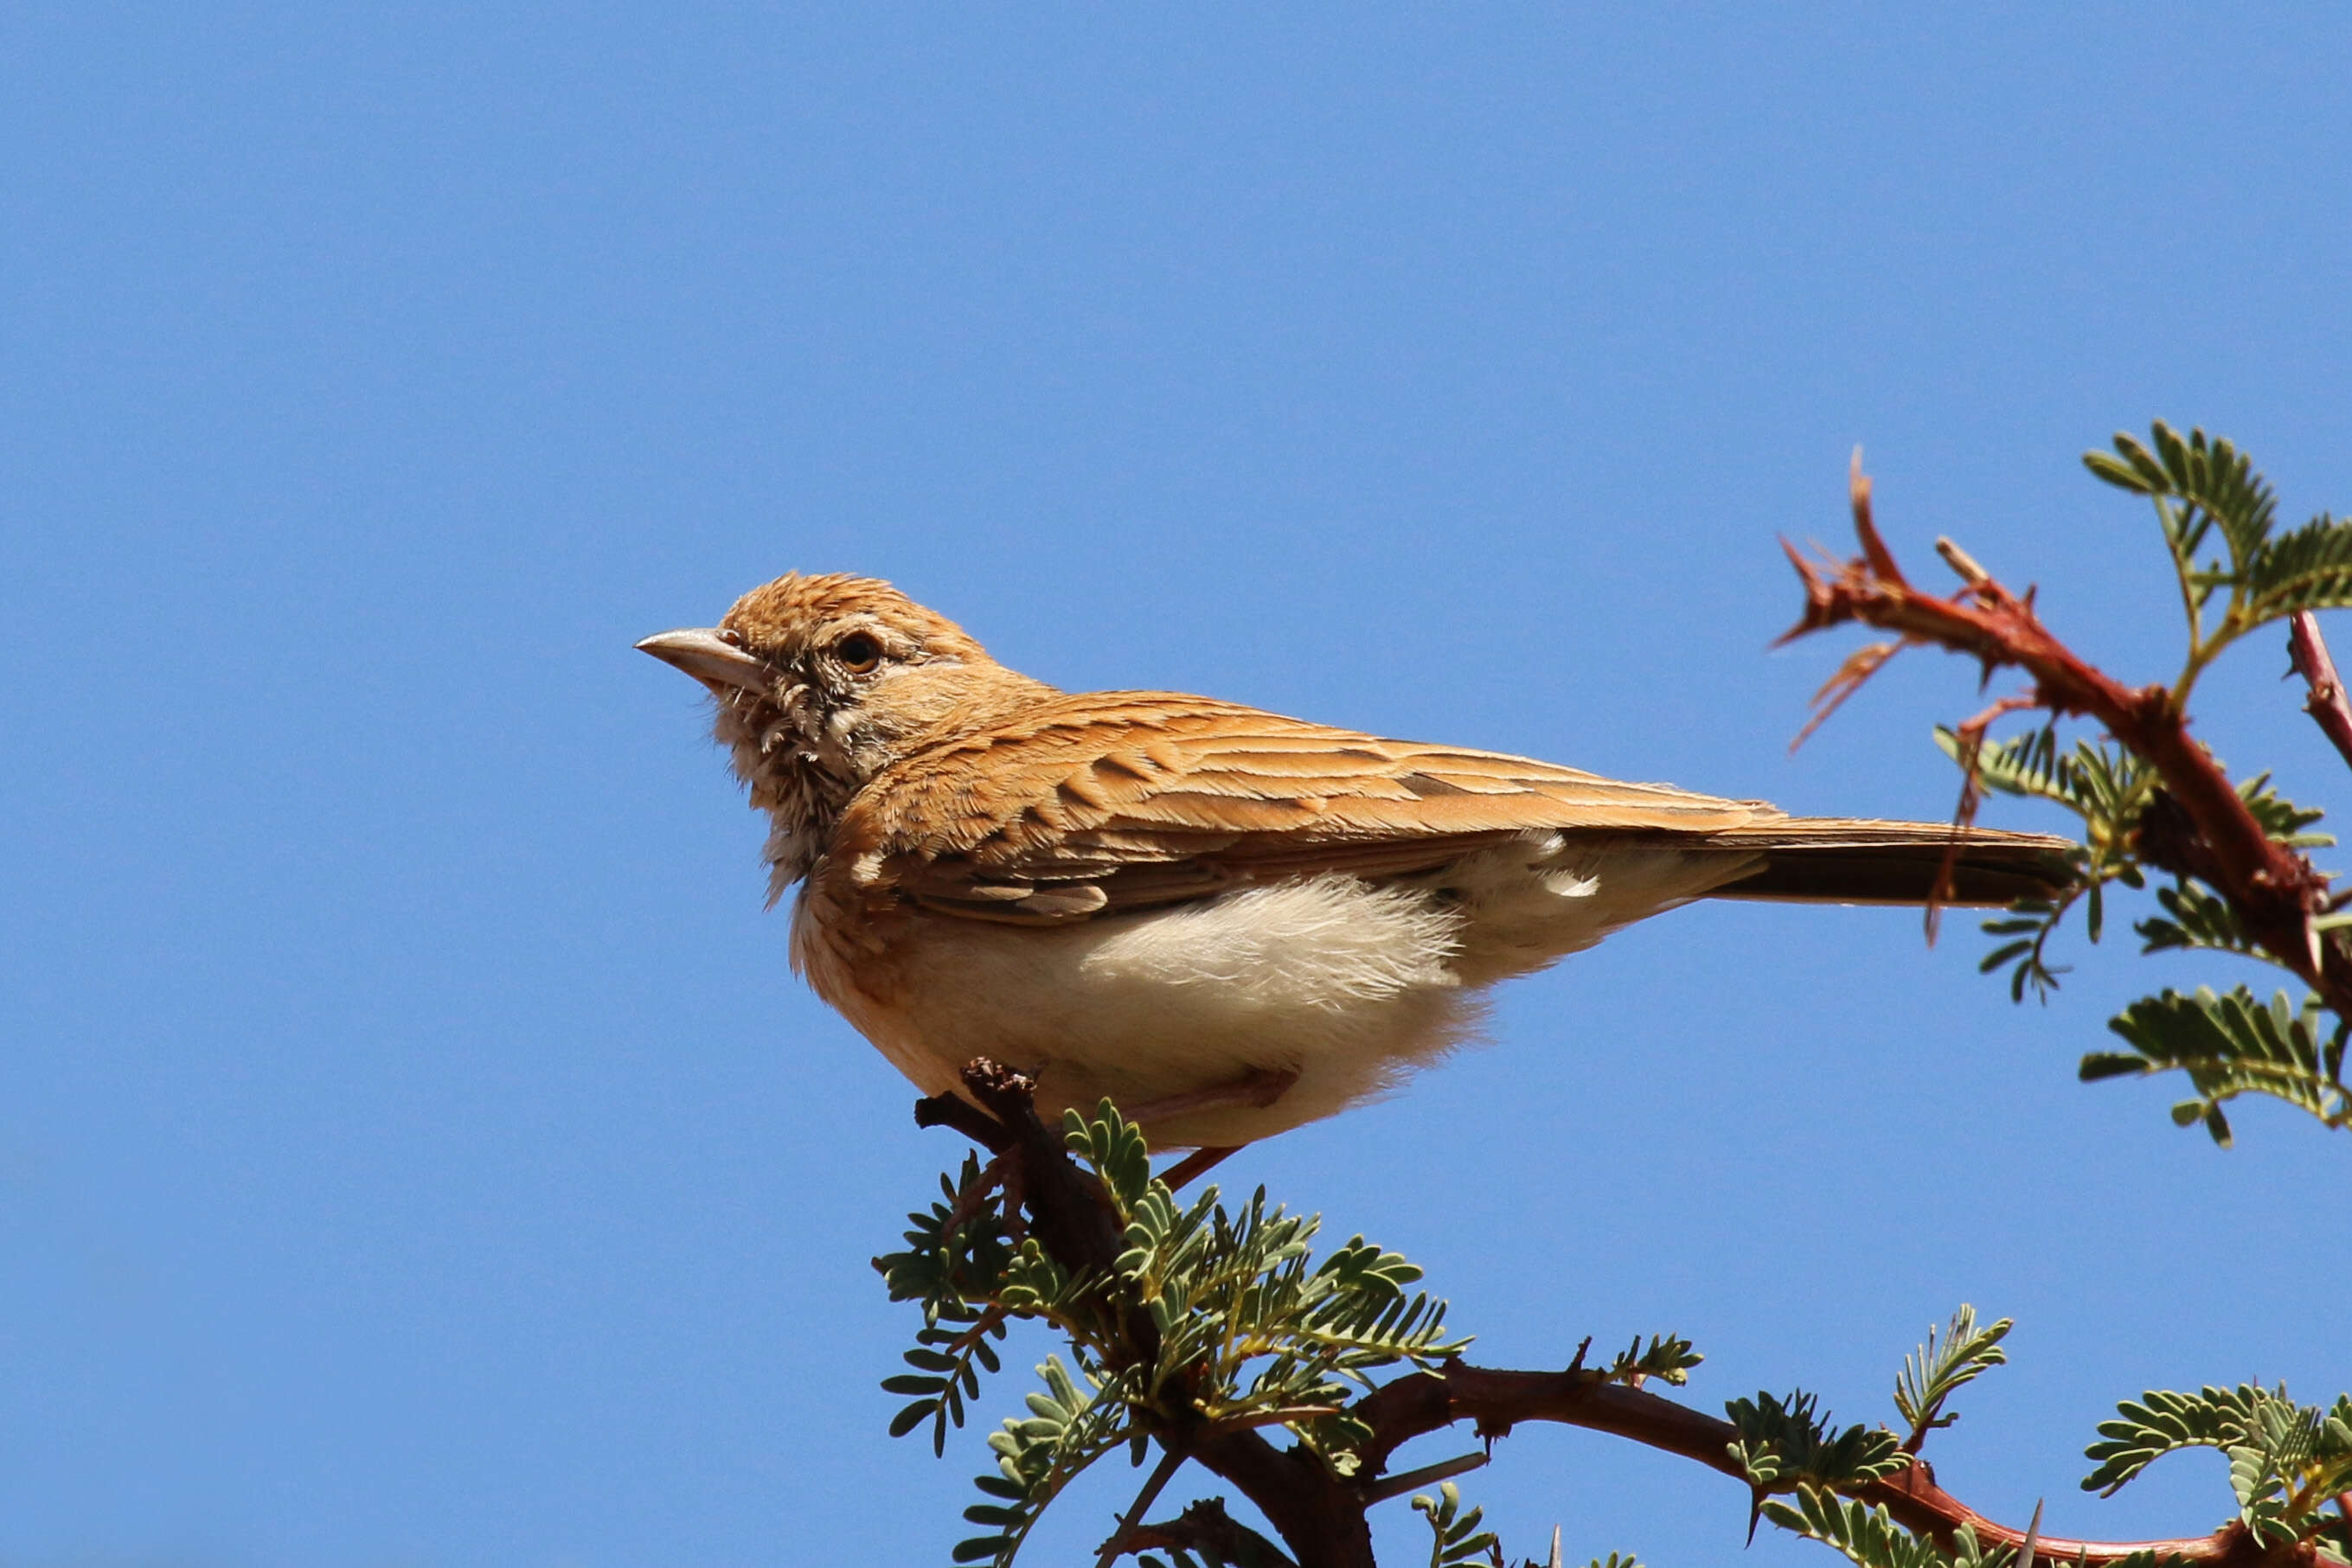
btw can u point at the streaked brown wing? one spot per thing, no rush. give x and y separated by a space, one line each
1114 801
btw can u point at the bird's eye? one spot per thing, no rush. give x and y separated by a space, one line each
857 652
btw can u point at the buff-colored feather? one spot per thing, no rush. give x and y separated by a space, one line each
1153 896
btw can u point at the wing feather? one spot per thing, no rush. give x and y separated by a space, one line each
1121 801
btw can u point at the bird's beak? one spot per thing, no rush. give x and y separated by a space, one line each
710 659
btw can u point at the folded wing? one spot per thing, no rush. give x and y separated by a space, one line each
1110 802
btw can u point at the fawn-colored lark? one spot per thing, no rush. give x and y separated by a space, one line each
1229 922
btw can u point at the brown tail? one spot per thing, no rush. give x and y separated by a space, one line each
1831 860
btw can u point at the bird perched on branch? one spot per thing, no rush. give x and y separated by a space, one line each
1229 922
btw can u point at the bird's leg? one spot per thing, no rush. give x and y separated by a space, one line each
1200 1162
1257 1088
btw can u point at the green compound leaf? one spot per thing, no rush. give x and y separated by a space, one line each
2105 786
1458 1542
1870 1537
1938 1368
2101 783
2202 486
1253 1327
1867 1536
2310 568
948 1357
2195 918
2230 1045
1253 1330
2217 481
1072 1422
1114 1147
2281 818
2196 483
2288 1461
1669 1358
953 1249
1785 1443
2161 1422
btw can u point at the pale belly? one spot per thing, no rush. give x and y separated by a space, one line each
1348 985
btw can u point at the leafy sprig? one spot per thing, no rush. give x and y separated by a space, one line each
1668 1358
2204 489
1868 1536
2217 517
1251 1330
1457 1542
1786 1443
2288 1461
1934 1372
1071 1422
2230 1045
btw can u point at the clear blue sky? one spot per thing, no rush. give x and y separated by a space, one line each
413 1147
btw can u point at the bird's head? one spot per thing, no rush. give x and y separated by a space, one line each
821 683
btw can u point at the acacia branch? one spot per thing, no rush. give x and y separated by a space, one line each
1318 1514
1132 1520
1321 1515
1496 1401
1204 1527
948 1111
2273 890
2326 704
1067 1207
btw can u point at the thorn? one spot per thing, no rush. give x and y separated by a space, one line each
1445 1469
1962 562
1555 1548
2032 1536
1847 679
1873 548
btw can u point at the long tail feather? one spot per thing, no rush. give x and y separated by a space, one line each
1831 860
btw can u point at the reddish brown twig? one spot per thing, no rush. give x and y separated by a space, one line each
2274 890
1848 678
2328 705
1204 1527
1971 735
947 1111
1498 1400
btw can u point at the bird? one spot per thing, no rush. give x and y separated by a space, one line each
1226 922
